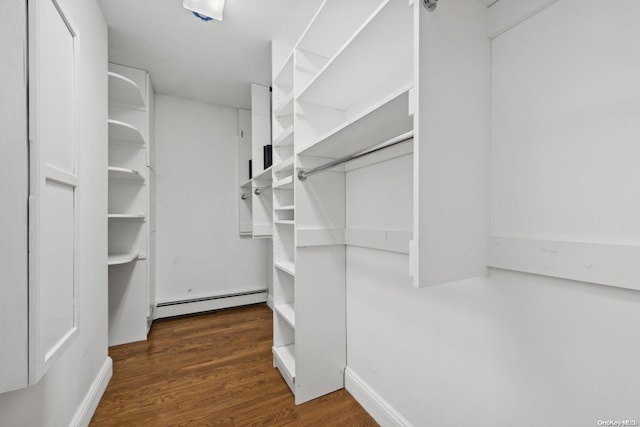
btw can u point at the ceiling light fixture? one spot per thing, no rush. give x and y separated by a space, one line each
205 9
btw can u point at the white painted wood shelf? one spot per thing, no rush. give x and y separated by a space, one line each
287 267
288 313
284 208
125 174
120 131
286 107
284 166
284 183
285 138
284 221
265 175
127 217
286 363
124 91
385 119
119 259
348 78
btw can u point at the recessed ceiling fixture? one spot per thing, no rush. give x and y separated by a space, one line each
205 9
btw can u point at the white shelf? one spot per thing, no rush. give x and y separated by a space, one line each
286 165
125 132
288 313
379 52
123 90
118 259
285 138
342 17
287 267
284 208
286 106
383 120
246 184
125 174
286 363
284 221
129 217
265 174
284 183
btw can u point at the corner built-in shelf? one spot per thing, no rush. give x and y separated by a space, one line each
284 183
288 313
286 362
284 221
125 174
125 132
127 217
285 138
383 120
378 52
118 259
287 267
123 90
246 184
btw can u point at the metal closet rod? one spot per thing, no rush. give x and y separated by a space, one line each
302 175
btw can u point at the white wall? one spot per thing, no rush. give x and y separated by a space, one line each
200 252
513 348
57 397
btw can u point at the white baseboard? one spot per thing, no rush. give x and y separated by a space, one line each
270 301
88 406
372 402
217 302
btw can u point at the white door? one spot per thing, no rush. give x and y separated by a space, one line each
54 185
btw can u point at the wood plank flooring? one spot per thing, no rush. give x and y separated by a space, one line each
213 369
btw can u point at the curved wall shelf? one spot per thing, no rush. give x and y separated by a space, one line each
119 259
121 131
125 174
123 90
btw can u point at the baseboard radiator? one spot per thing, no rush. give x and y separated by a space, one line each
215 302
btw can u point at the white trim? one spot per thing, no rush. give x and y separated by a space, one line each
372 402
604 264
217 302
88 406
270 301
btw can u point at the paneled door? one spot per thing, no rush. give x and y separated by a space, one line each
54 185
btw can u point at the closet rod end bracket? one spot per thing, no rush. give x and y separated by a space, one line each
302 176
430 5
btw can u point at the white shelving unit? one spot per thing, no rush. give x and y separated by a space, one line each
245 196
131 205
344 87
255 192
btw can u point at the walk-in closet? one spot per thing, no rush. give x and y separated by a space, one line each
319 212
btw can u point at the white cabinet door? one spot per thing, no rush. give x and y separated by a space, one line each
54 186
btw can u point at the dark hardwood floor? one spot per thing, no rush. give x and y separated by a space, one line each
213 369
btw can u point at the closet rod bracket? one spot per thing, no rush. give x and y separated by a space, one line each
430 5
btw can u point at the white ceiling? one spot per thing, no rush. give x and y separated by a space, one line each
213 61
